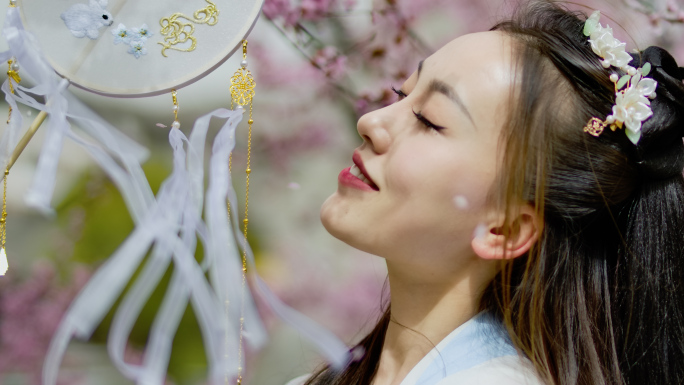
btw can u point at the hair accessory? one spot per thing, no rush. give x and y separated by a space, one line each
86 19
632 90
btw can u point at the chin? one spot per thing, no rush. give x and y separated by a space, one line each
334 217
331 216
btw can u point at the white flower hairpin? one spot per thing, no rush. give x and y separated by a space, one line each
632 91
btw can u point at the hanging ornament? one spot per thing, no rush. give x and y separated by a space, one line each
3 227
12 74
185 210
242 93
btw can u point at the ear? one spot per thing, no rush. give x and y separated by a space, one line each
490 242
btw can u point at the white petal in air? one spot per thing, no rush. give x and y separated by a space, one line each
3 262
480 231
461 202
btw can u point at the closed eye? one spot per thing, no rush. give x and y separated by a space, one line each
426 122
399 93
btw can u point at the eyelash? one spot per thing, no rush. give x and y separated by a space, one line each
400 93
422 119
426 122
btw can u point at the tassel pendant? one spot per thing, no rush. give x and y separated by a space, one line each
3 227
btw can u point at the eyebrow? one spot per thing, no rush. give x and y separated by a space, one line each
448 91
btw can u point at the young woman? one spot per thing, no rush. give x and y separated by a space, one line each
522 246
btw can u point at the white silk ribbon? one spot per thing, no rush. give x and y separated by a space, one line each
166 233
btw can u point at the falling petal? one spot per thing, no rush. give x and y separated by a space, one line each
3 262
461 202
480 231
294 186
161 125
357 353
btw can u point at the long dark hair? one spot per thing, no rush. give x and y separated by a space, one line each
600 297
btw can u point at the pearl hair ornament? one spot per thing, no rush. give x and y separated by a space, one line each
632 90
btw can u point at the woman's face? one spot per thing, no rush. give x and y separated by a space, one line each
430 158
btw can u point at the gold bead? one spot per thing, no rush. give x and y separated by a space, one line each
246 221
6 172
250 121
248 171
2 220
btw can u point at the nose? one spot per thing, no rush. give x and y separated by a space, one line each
374 130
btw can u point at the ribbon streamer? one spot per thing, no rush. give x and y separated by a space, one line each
168 225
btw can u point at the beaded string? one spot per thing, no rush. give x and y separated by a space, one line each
242 93
176 123
3 227
12 74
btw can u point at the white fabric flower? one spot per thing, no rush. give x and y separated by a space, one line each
609 48
137 48
121 34
632 106
142 33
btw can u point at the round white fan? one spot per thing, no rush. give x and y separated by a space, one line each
168 44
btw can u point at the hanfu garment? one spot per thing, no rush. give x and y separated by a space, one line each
479 352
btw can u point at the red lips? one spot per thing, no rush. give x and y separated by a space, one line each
356 158
346 178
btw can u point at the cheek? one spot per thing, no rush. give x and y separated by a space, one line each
447 178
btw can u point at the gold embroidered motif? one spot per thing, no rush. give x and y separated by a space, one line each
177 31
210 14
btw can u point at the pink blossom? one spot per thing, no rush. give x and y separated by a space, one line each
313 10
271 73
274 9
330 62
30 312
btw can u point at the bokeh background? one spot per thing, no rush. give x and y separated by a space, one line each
319 65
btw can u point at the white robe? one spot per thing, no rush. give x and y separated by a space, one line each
478 352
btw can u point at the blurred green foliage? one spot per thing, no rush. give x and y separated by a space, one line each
95 220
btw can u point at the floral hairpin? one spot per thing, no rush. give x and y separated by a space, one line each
632 90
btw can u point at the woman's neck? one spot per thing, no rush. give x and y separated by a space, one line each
424 310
